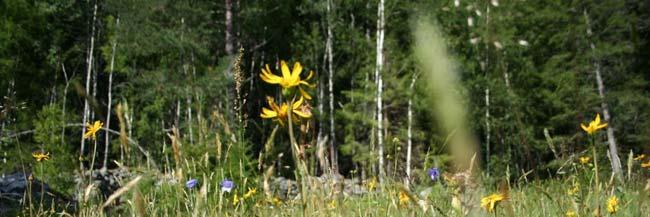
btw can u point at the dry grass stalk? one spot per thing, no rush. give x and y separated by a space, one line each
140 208
124 142
176 148
121 191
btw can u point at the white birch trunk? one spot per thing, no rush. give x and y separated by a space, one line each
613 148
110 96
89 63
229 36
65 95
330 54
409 133
487 93
378 70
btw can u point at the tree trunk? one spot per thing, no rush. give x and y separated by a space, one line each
330 54
65 95
229 33
409 133
89 63
613 148
110 96
378 70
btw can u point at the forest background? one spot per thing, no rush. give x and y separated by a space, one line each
157 71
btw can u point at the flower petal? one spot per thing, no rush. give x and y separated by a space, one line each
301 113
311 74
304 94
297 104
286 74
267 113
295 74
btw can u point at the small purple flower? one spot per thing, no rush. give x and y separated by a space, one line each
434 173
191 183
227 185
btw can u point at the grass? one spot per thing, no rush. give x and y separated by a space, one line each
156 195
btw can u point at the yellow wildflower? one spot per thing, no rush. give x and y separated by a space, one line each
646 164
91 130
250 193
584 160
403 198
41 156
331 204
277 201
574 190
280 112
372 184
490 201
570 213
594 125
235 200
639 157
612 204
289 79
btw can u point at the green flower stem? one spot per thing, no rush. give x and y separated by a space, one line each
593 148
42 175
300 166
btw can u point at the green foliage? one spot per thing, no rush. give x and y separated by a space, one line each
535 58
59 171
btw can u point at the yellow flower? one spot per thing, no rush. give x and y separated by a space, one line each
372 184
235 200
277 201
612 204
639 157
646 164
91 130
280 112
489 202
594 125
250 193
41 156
289 79
574 190
331 204
403 198
584 160
570 213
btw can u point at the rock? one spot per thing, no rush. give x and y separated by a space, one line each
15 186
287 189
104 182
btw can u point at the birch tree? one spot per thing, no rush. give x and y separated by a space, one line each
409 133
89 64
330 78
110 95
611 140
229 31
378 79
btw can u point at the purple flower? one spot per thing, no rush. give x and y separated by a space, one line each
191 183
227 185
434 173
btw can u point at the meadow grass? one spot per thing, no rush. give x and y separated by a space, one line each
152 196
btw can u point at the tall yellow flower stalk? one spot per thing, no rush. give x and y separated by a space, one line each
293 109
592 128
